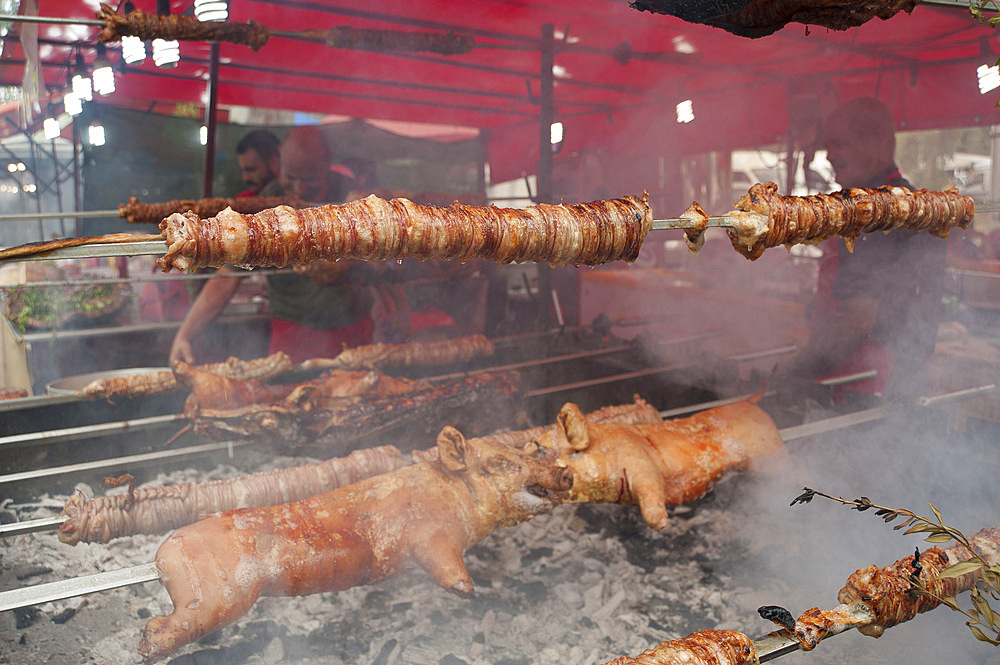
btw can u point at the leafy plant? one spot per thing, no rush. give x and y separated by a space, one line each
983 620
977 9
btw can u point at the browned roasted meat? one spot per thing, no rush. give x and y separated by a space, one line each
878 598
36 248
153 213
12 393
706 647
758 18
409 354
639 412
667 463
886 590
374 228
142 385
425 515
387 41
767 219
160 509
344 408
137 23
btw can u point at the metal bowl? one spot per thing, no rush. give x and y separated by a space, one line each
73 384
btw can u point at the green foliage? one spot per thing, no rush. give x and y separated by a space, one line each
983 620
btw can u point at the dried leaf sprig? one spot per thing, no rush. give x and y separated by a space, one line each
983 620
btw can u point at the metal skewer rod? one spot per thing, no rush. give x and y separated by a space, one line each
80 214
18 18
98 250
684 223
118 462
86 431
78 586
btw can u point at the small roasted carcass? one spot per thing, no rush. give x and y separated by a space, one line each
424 515
342 409
668 463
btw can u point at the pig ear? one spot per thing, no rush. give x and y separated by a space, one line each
574 426
453 451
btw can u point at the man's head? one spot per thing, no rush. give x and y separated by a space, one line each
258 158
305 163
860 138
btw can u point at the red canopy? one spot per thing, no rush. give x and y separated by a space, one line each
619 73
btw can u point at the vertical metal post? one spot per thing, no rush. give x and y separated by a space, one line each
546 114
58 186
210 121
545 313
77 180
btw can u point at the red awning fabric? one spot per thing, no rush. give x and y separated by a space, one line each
619 73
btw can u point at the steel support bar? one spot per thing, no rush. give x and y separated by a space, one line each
118 462
87 431
77 586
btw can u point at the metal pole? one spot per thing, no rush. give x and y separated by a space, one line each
77 180
210 121
545 316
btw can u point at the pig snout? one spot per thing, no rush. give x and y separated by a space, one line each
558 480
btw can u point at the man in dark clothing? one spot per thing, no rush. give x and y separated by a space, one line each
880 306
316 310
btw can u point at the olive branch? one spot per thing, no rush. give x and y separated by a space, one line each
983 620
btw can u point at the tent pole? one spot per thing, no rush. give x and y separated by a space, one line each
210 119
545 315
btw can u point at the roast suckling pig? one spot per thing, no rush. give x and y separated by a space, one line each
706 647
424 515
373 229
341 409
668 463
407 354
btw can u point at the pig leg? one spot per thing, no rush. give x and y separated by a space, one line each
441 557
208 585
649 492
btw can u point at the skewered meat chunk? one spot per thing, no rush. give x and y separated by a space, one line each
409 354
424 515
142 385
138 212
387 41
767 219
885 590
160 509
668 463
874 598
706 647
177 26
374 228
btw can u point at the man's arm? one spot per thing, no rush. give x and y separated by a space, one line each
210 302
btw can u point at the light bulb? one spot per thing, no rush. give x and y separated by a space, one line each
96 134
82 87
166 53
50 128
211 10
685 111
72 103
133 50
104 80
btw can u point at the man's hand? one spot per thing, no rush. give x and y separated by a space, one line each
181 350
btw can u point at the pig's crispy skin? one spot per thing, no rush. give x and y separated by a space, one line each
668 463
427 514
